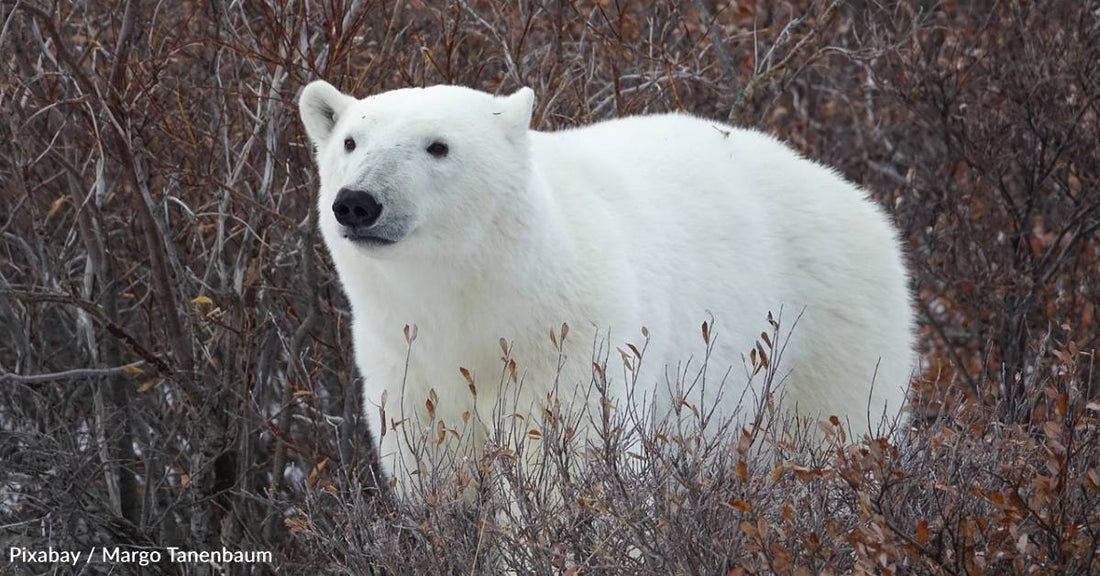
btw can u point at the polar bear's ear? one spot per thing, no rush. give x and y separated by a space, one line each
320 106
519 108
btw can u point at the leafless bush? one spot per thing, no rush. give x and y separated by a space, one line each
1000 160
966 495
175 366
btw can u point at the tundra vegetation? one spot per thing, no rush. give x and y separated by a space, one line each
175 362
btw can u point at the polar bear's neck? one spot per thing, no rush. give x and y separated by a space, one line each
502 285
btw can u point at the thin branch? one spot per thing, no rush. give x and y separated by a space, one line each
719 45
746 95
75 374
971 384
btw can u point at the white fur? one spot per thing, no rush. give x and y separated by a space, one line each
659 221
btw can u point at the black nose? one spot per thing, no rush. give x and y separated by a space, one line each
356 208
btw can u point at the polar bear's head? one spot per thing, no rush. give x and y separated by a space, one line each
418 168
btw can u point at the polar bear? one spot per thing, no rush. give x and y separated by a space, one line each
444 212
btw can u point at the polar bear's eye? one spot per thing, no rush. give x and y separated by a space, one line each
349 144
437 149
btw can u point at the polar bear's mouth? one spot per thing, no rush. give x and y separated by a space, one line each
367 239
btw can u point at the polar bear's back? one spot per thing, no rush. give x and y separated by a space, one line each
734 223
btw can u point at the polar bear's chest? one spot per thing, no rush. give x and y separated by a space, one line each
462 366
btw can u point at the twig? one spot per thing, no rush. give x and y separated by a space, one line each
719 46
938 327
74 374
96 313
298 368
743 99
